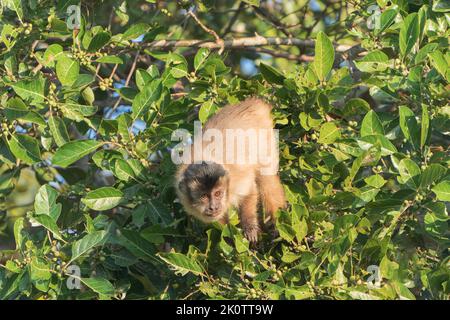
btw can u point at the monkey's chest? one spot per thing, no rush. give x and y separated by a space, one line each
240 189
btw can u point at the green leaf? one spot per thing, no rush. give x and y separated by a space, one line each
48 223
177 65
157 212
324 56
271 74
17 109
442 190
440 63
67 70
441 6
409 33
124 124
73 151
92 240
386 19
374 61
300 227
40 273
286 231
136 244
409 126
52 53
329 133
98 41
424 126
424 51
409 173
142 78
143 100
135 31
431 174
371 124
12 266
19 225
45 202
58 130
435 226
32 90
123 170
356 106
375 181
76 111
299 293
110 59
99 285
16 6
252 2
40 270
25 148
387 148
181 264
104 198
207 109
200 58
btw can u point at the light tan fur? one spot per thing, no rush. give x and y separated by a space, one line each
247 186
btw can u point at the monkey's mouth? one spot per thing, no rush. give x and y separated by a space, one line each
212 214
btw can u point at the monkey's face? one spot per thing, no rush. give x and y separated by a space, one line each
212 203
206 187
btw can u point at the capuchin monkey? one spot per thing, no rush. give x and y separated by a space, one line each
237 166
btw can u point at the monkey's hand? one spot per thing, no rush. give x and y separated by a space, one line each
251 232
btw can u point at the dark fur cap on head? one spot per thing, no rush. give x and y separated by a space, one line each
199 178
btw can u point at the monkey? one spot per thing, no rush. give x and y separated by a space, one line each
209 186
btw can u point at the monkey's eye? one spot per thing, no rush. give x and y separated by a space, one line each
217 193
203 196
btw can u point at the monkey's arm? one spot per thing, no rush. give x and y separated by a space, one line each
248 215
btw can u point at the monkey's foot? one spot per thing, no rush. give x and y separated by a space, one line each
251 232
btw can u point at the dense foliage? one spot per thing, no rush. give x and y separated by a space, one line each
87 116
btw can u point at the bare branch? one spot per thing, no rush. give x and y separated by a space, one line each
256 41
272 20
233 20
285 55
127 81
210 31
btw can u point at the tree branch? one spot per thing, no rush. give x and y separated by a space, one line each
279 54
233 19
210 31
272 20
256 41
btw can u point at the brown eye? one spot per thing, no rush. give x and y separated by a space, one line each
203 197
217 193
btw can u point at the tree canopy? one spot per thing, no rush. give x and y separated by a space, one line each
91 92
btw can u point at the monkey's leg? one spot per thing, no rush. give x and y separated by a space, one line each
248 215
272 194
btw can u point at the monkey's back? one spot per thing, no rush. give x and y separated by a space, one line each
253 113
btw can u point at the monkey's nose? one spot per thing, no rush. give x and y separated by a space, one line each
211 211
213 208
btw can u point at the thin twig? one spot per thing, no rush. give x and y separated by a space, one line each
210 31
272 20
127 81
233 19
219 41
